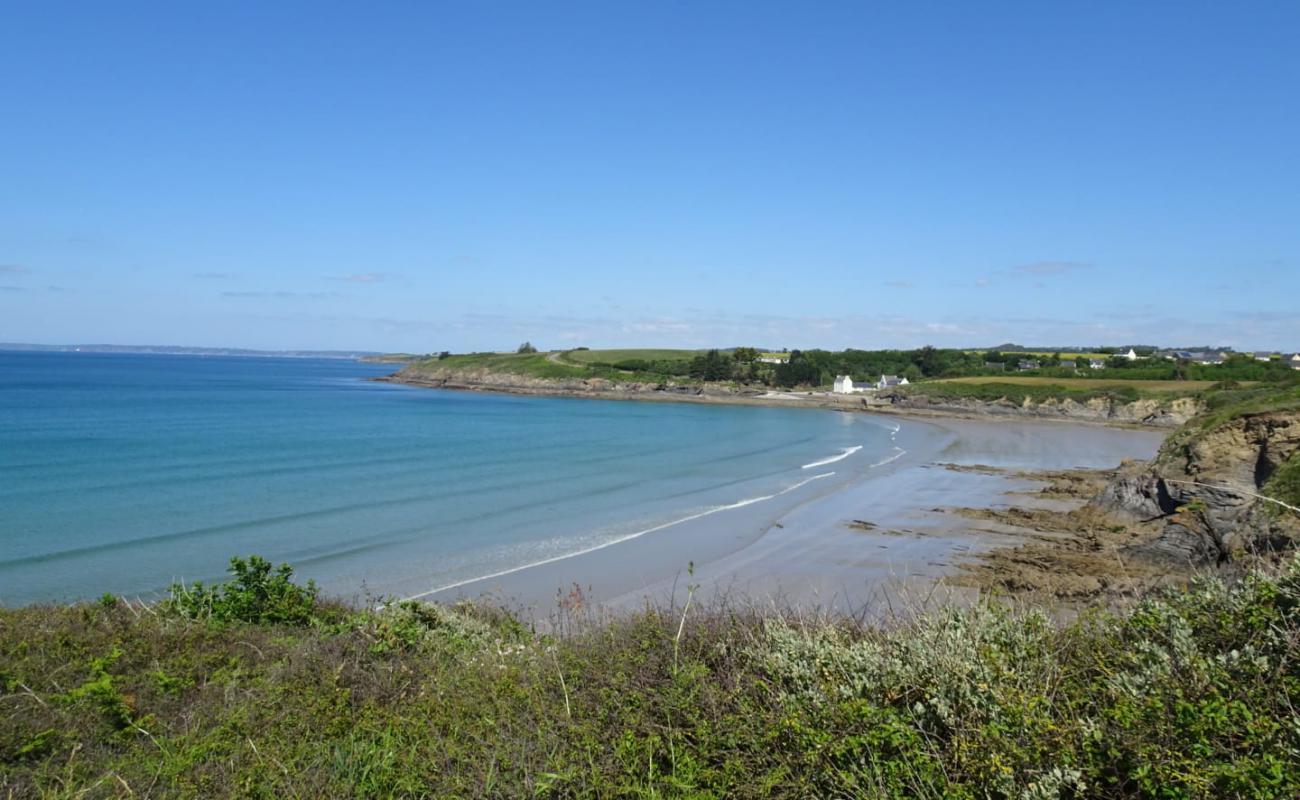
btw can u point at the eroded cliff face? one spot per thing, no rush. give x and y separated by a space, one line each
1157 413
487 380
1147 412
1205 485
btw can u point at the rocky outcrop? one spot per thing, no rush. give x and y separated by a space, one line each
1156 413
1105 410
1205 485
484 380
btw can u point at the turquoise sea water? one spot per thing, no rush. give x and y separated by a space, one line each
121 473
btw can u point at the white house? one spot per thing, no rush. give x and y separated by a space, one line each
1096 363
844 385
890 381
1131 355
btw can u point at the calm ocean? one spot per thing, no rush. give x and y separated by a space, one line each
121 473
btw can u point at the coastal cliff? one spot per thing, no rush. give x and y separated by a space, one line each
1155 412
1096 407
1222 488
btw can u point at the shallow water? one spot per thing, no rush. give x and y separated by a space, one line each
122 473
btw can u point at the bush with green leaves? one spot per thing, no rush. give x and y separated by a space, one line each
1186 693
258 594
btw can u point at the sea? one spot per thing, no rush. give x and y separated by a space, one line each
126 473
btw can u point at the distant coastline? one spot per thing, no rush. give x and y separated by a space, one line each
1102 411
181 350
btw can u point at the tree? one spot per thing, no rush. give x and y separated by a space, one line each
929 360
712 366
798 371
526 347
745 355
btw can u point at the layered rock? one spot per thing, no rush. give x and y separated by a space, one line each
1206 486
1157 413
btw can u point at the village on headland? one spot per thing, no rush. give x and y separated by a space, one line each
1130 385
846 384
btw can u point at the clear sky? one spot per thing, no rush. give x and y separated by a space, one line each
466 175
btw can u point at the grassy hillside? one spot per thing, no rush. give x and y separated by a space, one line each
613 356
1176 387
1020 391
260 690
613 365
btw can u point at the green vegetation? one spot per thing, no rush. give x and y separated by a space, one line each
1231 401
818 368
537 365
257 595
1187 694
611 356
991 390
1178 387
1284 483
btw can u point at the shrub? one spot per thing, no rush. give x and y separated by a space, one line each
256 595
1187 693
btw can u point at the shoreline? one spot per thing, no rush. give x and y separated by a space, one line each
874 539
705 395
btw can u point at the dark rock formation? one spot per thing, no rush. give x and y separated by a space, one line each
1205 485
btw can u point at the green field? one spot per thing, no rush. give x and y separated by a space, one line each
580 364
537 365
1182 387
1044 354
614 356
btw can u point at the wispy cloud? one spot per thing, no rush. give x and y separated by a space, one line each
12 269
1042 268
214 276
899 284
1038 271
281 295
13 288
364 277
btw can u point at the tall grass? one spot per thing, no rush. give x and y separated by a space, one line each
1188 693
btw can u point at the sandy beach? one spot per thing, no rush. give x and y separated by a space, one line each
859 544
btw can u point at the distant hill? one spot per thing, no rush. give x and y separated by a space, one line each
179 350
1020 348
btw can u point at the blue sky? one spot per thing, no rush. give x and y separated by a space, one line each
457 175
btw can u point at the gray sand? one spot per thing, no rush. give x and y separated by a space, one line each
803 551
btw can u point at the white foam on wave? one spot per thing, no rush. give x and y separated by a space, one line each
845 453
898 453
625 538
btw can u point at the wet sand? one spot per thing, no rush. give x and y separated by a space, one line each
861 544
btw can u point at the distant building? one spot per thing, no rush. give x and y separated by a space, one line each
1263 355
1131 355
1027 365
773 358
1096 363
890 381
995 366
1294 361
1203 357
844 385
